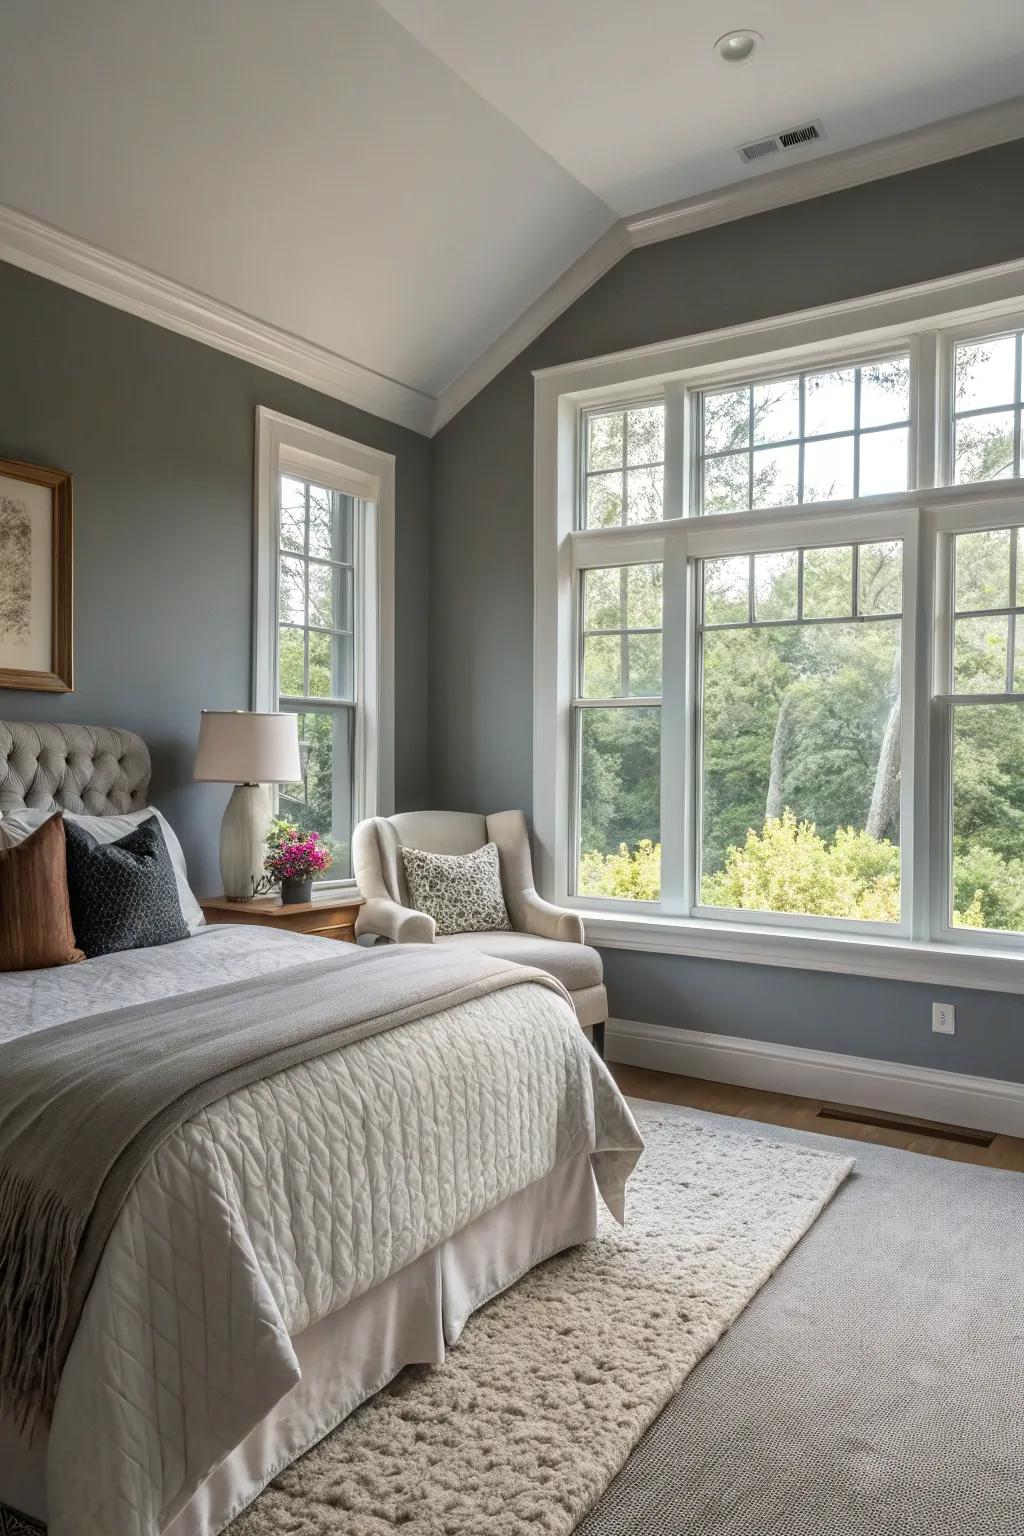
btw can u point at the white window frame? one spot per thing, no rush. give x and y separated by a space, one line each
985 329
843 357
285 445
927 321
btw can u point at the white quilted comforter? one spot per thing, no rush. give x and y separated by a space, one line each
286 1200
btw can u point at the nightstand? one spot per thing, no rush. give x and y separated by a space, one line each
331 916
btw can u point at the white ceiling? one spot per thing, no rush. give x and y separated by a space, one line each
306 161
398 181
629 96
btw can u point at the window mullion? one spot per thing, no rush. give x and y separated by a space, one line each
624 634
305 594
801 443
750 447
676 746
624 518
674 492
926 392
1014 583
916 728
937 672
856 432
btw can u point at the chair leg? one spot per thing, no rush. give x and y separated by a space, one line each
597 1036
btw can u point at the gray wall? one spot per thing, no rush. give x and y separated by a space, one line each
944 219
158 432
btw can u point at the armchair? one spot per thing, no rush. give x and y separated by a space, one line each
542 934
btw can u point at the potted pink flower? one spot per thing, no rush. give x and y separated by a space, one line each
294 859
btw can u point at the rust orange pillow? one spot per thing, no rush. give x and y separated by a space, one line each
35 914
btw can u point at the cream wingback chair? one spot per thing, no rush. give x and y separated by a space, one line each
542 935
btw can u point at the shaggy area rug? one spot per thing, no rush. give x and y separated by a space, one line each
554 1382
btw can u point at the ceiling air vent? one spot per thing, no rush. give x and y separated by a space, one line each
789 138
759 149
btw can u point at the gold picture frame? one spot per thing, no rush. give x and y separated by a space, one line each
36 578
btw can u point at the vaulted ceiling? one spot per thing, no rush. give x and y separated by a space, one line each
398 181
630 97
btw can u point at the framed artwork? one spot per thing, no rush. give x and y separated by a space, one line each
36 578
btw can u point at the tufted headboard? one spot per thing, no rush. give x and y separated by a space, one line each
92 769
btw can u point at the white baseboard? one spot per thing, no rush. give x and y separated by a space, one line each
982 1103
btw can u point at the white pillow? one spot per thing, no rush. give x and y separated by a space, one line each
107 829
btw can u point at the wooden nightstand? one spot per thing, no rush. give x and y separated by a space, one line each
331 916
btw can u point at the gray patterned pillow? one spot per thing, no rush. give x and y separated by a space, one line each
460 891
123 895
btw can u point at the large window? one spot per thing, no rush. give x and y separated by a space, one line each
324 514
783 606
987 731
823 435
800 731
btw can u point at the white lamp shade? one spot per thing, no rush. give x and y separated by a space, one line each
242 747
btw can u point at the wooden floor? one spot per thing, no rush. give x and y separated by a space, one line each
802 1114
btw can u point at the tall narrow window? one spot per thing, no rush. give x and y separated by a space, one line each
987 777
987 405
827 435
323 622
316 660
618 732
800 731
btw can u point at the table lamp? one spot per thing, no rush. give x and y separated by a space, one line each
250 751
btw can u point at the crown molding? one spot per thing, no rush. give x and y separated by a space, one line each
49 252
945 140
62 258
606 252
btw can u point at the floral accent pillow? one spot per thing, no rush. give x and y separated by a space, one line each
460 891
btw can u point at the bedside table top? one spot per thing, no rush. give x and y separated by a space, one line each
273 906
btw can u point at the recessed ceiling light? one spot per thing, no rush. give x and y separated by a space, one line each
738 46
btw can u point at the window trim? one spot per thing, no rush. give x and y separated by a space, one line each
286 444
927 319
980 329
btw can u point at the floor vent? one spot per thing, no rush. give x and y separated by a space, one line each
910 1126
775 143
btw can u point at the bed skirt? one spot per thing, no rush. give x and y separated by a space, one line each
347 1357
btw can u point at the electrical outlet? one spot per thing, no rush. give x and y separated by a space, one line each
943 1019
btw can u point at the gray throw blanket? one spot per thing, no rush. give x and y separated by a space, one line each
84 1105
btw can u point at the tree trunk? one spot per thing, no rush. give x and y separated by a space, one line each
775 803
886 793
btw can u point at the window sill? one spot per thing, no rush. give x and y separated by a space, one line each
990 970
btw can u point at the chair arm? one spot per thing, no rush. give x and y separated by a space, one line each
388 920
548 921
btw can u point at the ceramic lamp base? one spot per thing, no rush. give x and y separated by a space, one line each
242 835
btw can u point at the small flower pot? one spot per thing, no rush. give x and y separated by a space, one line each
294 891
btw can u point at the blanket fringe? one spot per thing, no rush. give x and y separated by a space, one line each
39 1238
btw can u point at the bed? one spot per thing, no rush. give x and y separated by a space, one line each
286 1251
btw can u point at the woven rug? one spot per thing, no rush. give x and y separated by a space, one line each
553 1383
874 1387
